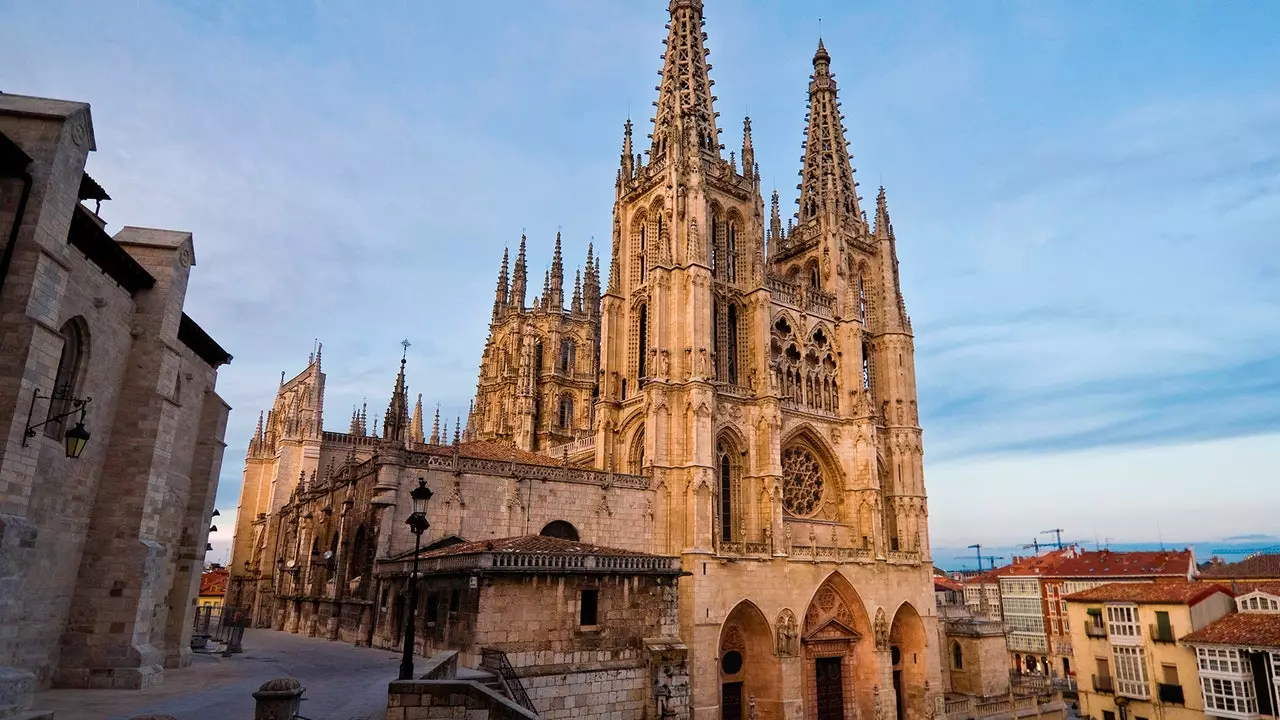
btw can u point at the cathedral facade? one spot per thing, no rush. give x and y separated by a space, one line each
738 401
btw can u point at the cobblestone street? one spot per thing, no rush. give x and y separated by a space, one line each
343 682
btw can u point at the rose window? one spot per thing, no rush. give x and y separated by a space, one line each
801 481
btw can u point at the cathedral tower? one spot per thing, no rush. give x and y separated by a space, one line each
538 373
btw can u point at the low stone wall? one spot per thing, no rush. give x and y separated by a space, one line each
430 699
615 694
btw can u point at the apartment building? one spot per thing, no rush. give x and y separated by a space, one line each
1238 657
1125 638
1087 570
1022 607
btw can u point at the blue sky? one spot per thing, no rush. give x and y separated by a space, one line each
1086 196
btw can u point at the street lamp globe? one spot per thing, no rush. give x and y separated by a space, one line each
420 495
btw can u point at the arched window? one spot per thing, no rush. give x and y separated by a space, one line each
642 341
717 354
957 657
568 350
726 495
565 418
731 252
731 342
560 529
862 299
813 277
66 384
715 245
635 459
866 367
644 250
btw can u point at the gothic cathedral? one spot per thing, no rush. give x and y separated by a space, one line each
741 394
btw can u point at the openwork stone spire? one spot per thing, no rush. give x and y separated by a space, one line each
519 279
685 112
500 293
827 188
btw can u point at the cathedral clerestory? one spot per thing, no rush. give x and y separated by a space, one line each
726 399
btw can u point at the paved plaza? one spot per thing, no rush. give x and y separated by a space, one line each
343 682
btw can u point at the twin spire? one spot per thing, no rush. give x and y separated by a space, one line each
828 192
685 112
511 296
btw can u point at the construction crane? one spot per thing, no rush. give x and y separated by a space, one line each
992 559
1035 543
1057 533
1247 552
977 548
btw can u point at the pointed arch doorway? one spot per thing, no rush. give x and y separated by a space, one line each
839 662
750 672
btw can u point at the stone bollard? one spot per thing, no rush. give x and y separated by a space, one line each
278 699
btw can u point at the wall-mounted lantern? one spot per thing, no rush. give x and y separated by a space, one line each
77 437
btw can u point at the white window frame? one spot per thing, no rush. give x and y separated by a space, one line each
1123 626
1230 697
1129 668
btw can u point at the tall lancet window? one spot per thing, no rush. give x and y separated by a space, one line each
731 345
862 299
731 252
726 494
644 251
715 246
642 330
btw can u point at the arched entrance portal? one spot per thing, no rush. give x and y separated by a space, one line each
907 651
839 659
749 669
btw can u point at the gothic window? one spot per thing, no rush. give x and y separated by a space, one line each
802 482
957 656
731 252
568 350
565 417
644 251
728 475
635 459
814 277
716 355
862 298
643 341
715 245
658 236
866 367
66 384
639 249
731 342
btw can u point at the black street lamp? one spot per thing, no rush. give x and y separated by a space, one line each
418 524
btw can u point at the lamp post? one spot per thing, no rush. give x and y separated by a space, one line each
418 524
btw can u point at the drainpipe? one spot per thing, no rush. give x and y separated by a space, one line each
7 258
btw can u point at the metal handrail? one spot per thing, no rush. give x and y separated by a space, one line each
495 661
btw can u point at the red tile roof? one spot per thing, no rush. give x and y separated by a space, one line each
214 582
490 450
941 584
1256 567
1248 629
1173 593
1033 565
1106 563
527 544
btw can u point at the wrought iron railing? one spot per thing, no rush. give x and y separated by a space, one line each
496 662
1161 634
1171 694
1103 684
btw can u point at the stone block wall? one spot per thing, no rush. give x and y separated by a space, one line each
448 699
620 694
71 606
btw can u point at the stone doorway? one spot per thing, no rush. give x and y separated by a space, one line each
830 688
749 669
839 660
910 662
731 701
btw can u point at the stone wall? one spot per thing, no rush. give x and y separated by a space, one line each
100 555
431 699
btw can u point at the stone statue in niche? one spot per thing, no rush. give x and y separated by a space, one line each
881 630
664 363
752 712
788 634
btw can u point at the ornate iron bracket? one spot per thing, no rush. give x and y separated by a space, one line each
59 393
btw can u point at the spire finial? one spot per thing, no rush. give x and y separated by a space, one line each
685 114
519 277
457 429
435 427
404 344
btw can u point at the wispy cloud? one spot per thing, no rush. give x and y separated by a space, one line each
1086 203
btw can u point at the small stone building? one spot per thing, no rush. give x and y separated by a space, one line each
100 555
586 626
